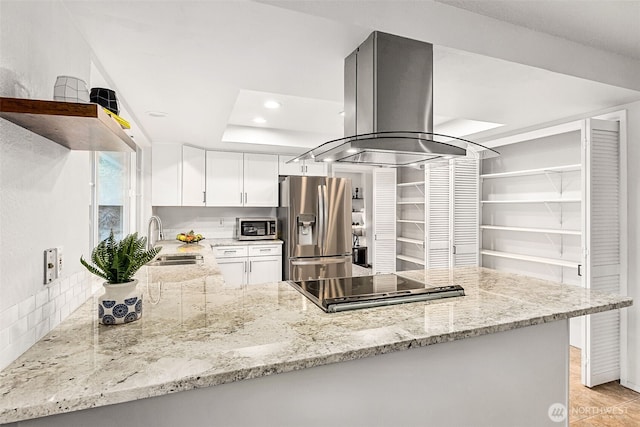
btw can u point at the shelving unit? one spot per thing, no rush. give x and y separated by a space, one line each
541 260
410 219
521 204
562 168
532 201
73 125
532 230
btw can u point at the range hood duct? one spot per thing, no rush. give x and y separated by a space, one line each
388 109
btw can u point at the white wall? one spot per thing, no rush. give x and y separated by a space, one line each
44 187
212 223
633 243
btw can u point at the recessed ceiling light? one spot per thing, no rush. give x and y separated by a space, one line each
341 113
352 150
157 113
272 104
328 160
259 120
296 160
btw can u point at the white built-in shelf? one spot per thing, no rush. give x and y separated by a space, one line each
532 201
411 221
532 230
411 259
564 168
541 260
411 184
411 203
408 240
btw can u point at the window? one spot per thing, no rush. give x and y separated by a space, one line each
111 195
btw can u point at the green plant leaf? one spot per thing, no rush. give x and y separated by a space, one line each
118 261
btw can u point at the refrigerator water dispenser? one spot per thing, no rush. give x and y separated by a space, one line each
306 225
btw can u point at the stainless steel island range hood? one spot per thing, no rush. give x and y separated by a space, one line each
388 107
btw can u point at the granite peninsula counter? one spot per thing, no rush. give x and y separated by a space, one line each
196 333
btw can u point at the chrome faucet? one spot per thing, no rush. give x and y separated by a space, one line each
150 241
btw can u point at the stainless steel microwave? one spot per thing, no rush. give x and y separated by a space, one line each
256 228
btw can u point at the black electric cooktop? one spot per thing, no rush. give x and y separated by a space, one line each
350 293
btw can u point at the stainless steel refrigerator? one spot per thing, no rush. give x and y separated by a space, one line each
315 220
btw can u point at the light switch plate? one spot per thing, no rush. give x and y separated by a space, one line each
50 265
59 261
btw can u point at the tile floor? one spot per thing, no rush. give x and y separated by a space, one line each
607 405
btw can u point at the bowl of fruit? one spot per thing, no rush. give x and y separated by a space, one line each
189 237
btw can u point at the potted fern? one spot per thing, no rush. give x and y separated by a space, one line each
117 262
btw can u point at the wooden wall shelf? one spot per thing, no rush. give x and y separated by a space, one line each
75 126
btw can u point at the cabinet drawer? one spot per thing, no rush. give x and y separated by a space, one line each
265 250
230 251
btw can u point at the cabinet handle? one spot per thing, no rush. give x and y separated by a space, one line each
241 197
245 198
454 249
579 270
245 266
250 266
229 252
204 197
265 250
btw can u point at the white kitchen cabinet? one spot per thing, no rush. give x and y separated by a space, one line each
225 179
249 264
166 175
260 180
264 269
193 176
301 168
234 271
241 179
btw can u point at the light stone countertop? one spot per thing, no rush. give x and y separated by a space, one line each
236 242
197 333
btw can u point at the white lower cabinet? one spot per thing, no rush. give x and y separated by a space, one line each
249 265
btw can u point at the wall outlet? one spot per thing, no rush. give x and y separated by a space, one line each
59 259
50 265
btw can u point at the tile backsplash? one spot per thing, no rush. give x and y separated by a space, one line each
23 324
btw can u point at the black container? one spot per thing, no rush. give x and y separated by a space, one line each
106 98
360 255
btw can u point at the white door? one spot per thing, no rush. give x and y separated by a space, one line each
465 184
260 180
234 271
224 184
264 269
384 220
166 175
438 215
193 176
602 225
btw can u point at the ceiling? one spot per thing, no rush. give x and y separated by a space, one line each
210 65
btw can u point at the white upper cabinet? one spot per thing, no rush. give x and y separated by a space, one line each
301 168
260 180
237 179
193 176
225 176
166 176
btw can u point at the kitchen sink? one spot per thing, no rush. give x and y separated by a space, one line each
176 259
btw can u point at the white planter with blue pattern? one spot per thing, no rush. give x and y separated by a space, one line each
120 303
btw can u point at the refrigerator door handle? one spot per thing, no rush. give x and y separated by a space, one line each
315 261
322 217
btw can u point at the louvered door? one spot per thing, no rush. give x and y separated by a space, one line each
465 181
384 220
438 215
601 240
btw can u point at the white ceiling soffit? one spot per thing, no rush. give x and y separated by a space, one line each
444 25
610 25
205 63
